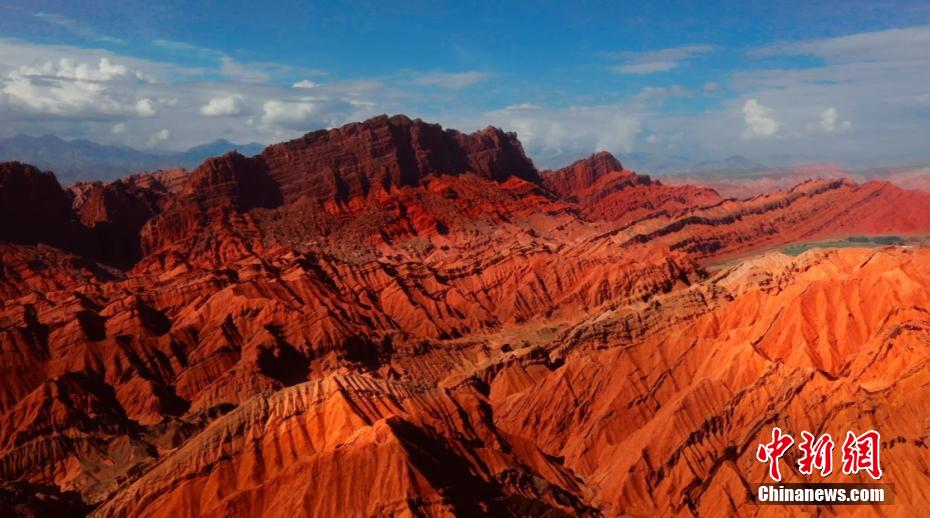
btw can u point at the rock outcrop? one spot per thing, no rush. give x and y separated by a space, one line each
606 191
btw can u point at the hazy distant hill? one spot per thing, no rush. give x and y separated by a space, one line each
670 163
73 160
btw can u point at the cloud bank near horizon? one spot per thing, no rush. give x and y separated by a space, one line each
859 98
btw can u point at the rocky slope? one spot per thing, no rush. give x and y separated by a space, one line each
393 319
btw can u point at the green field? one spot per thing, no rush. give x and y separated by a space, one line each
849 242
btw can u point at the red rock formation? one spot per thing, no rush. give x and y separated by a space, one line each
388 152
390 318
35 209
604 190
584 174
115 212
812 210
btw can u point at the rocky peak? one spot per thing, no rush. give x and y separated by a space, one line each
389 152
583 174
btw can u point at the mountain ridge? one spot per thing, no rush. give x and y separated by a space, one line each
83 160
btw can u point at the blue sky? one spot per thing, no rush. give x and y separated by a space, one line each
774 81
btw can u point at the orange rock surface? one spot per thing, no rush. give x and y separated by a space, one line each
393 319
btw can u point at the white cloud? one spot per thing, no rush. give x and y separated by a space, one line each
158 137
887 45
223 106
306 83
450 80
64 87
829 121
287 113
553 136
879 77
658 60
88 93
758 119
105 70
232 69
144 108
307 113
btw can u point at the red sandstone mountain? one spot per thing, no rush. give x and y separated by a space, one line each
605 190
390 319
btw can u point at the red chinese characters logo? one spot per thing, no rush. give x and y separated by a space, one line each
859 453
816 454
773 451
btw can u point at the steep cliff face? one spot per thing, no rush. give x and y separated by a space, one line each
35 209
332 172
383 152
390 318
115 213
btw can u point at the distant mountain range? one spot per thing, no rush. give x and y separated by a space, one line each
74 160
656 163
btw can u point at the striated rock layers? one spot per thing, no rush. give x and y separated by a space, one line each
393 319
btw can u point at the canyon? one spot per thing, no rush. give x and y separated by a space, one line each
395 319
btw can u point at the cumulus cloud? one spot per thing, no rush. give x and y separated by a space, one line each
758 119
829 121
229 105
287 113
307 113
95 94
800 111
68 88
144 108
65 68
553 136
658 60
879 77
158 137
